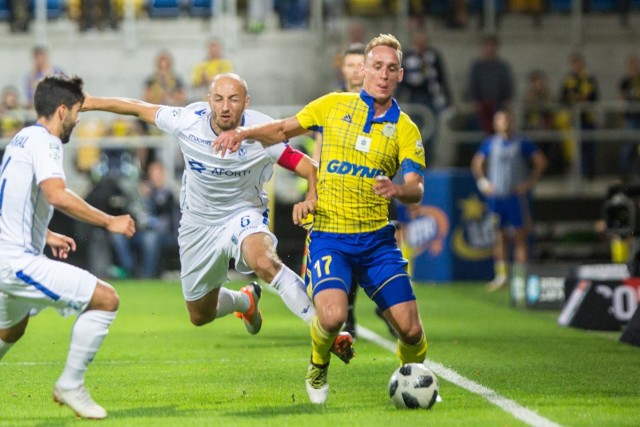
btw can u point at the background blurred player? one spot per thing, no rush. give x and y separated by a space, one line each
501 168
224 207
32 185
366 140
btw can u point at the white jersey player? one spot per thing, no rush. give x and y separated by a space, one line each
32 184
224 206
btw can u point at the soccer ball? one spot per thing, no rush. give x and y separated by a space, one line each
413 386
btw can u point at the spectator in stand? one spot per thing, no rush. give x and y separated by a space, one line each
538 102
19 16
425 83
491 86
158 229
580 86
630 92
98 14
164 86
12 116
205 71
538 112
41 69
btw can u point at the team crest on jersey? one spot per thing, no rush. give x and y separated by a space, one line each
242 153
389 130
54 151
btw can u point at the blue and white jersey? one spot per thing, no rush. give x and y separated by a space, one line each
214 188
507 162
32 156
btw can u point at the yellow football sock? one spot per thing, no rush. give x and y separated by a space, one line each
415 353
321 342
500 268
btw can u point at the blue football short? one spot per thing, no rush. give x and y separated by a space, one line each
510 211
373 258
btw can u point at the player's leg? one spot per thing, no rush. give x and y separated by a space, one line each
14 317
87 335
499 261
498 209
259 255
385 280
330 274
412 343
350 324
71 290
204 261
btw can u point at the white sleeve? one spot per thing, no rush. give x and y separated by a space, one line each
47 162
168 119
274 152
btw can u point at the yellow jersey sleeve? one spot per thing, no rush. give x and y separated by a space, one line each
410 141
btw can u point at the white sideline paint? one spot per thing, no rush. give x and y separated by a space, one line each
523 414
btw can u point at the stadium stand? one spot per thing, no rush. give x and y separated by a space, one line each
200 8
164 8
4 10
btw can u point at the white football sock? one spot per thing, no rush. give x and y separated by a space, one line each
293 292
4 347
230 301
86 337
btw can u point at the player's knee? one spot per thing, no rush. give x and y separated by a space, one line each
266 267
11 335
104 298
333 324
201 319
410 334
111 300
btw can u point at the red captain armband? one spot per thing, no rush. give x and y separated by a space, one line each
290 158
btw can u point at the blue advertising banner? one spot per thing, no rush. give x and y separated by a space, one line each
450 234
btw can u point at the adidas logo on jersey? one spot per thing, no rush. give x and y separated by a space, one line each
347 118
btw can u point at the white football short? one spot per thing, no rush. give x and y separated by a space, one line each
205 251
33 282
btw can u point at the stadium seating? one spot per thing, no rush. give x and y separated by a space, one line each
164 8
4 10
55 8
201 8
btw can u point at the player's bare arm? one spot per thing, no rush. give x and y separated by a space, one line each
268 134
127 106
307 169
70 203
60 244
410 191
478 163
538 165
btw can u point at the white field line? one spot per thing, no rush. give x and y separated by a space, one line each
523 414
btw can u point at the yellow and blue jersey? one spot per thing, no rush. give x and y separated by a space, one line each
356 148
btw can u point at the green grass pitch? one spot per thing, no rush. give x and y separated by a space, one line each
156 369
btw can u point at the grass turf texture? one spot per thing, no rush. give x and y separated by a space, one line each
156 369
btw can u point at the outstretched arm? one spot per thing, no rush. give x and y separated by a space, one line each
70 203
127 106
268 134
